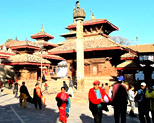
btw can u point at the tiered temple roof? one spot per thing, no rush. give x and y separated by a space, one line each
128 65
129 56
42 34
90 44
46 44
46 56
6 54
42 39
24 44
26 47
25 59
92 22
8 44
91 27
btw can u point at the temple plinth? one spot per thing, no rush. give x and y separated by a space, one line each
79 15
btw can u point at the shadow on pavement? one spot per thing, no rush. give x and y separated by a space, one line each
107 118
133 119
28 115
3 95
86 119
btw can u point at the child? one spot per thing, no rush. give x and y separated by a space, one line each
68 104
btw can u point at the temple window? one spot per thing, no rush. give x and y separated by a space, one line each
146 57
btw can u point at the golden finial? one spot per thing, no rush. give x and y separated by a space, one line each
42 29
93 16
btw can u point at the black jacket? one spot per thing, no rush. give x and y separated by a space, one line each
23 89
66 87
119 95
35 96
143 102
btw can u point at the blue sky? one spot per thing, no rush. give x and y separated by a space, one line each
22 18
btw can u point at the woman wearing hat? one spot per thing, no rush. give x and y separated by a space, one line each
97 97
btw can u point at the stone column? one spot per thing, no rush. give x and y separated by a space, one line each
80 55
79 15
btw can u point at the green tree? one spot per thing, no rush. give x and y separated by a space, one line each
9 40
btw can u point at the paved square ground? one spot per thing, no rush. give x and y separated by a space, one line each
12 112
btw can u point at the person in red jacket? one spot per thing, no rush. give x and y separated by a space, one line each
97 99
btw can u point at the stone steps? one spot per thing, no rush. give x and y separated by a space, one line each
55 85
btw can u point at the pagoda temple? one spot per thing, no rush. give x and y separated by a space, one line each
27 57
103 57
25 63
101 54
42 38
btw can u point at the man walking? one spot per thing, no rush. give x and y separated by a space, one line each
70 90
23 94
97 97
143 104
119 101
65 86
15 90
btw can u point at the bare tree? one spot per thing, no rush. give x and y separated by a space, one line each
120 40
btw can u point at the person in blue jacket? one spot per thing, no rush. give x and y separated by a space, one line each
143 104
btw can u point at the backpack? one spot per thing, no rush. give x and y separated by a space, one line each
140 95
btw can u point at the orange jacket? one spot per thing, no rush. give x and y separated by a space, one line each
38 92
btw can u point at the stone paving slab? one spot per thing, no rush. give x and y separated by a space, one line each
7 115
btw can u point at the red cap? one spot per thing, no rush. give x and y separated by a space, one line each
96 82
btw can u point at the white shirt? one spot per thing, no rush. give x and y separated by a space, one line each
131 95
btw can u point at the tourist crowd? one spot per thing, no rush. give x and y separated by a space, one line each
118 95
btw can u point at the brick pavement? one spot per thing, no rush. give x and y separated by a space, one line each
79 112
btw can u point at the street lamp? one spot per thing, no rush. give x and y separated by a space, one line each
41 49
